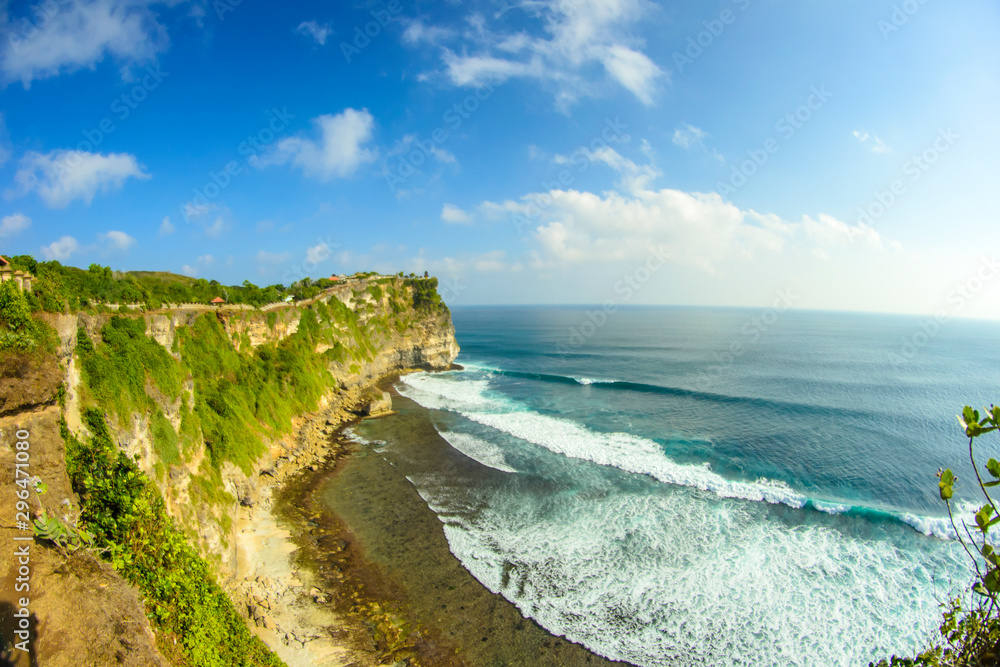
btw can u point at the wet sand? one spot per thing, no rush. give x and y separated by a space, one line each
384 561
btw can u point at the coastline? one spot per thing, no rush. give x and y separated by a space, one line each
406 600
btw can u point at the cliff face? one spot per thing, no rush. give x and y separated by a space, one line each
362 331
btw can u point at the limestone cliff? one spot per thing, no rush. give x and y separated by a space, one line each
362 330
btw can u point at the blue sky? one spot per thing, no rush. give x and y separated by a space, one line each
576 151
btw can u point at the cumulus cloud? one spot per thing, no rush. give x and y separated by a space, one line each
338 150
570 227
166 227
455 216
12 224
312 29
61 250
575 40
61 176
117 241
60 37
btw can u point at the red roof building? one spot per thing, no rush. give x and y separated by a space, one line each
217 300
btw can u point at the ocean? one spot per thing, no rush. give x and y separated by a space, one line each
704 486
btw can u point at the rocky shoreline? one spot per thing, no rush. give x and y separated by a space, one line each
291 602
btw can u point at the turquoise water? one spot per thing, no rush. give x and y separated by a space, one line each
670 498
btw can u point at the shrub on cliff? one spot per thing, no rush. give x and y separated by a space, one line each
126 515
970 631
425 294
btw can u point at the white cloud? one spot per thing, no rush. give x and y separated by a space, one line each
688 137
67 36
692 139
12 224
338 151
575 40
407 144
420 33
61 250
216 229
633 70
166 228
206 260
827 231
318 253
488 262
117 241
455 216
266 257
877 145
189 270
61 176
569 227
316 31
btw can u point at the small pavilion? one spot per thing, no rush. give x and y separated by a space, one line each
21 278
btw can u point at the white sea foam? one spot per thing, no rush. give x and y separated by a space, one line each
674 580
586 381
477 449
473 400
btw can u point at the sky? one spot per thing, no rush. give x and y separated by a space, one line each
830 154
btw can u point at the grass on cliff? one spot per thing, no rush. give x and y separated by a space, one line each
126 514
243 395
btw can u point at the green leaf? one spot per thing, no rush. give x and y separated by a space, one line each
945 490
993 466
971 416
947 477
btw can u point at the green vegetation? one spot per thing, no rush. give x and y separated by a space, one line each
970 631
126 516
59 288
243 395
119 371
425 294
18 330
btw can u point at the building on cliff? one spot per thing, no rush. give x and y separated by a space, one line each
21 278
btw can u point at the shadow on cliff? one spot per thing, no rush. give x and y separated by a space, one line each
9 655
